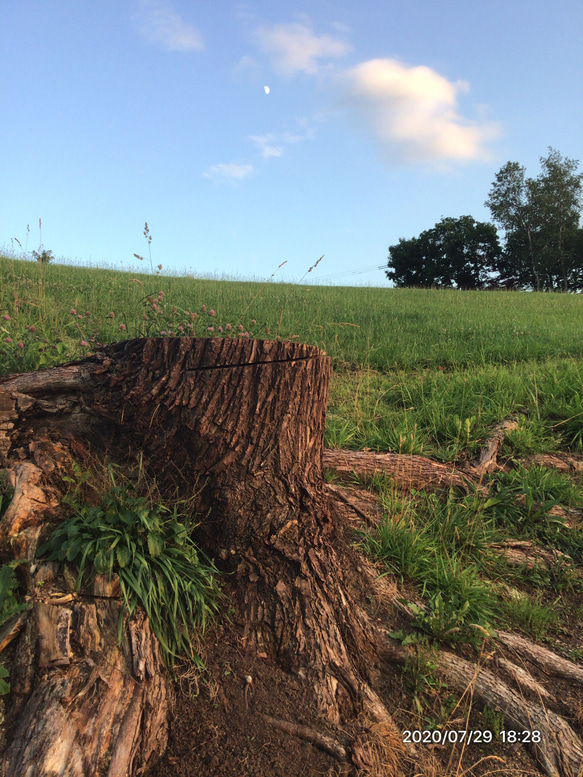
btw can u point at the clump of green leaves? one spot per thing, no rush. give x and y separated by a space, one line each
9 606
9 603
159 566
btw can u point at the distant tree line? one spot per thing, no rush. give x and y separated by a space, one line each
541 246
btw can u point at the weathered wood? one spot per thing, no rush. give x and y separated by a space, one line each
103 714
547 660
522 553
408 471
487 460
240 422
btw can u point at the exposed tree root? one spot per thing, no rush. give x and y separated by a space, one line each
522 553
408 472
560 750
326 743
547 660
293 591
487 461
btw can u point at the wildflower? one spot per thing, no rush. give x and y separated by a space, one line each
240 327
122 327
210 328
211 313
160 295
220 329
203 308
174 309
441 368
32 328
228 327
253 321
189 326
21 345
87 313
6 317
79 315
193 316
112 314
164 332
84 343
73 312
180 328
8 340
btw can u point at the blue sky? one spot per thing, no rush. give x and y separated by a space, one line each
381 117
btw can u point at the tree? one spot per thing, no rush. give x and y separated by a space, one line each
540 219
460 253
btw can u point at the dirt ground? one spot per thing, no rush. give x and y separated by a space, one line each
218 729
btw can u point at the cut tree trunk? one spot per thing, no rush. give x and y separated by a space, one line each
242 423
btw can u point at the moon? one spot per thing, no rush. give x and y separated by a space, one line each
266 89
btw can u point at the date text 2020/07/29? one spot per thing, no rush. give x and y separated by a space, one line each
477 736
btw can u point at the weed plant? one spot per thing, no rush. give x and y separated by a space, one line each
10 605
159 566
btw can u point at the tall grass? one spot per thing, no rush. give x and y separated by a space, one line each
380 329
416 371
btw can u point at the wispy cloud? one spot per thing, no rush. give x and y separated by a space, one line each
274 144
295 48
413 112
228 172
159 24
269 145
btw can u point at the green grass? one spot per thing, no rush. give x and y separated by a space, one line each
426 372
360 328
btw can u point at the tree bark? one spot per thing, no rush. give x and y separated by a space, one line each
241 422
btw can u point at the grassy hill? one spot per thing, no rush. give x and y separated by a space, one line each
426 372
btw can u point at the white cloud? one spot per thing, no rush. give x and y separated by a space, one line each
160 25
228 172
274 145
294 47
412 112
267 145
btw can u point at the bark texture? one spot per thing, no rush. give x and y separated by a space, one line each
242 423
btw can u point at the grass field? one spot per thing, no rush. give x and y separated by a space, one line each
426 372
415 371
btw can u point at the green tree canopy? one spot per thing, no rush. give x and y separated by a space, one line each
540 219
456 253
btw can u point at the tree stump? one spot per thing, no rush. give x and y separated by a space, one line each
243 418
